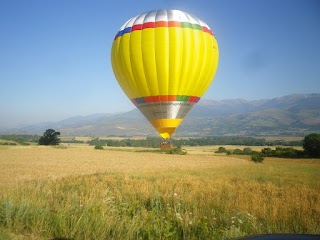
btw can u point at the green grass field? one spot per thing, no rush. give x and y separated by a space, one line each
77 192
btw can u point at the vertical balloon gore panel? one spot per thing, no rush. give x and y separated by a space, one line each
164 60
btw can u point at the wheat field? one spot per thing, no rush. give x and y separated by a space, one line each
78 192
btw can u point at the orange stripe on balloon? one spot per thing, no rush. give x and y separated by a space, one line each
174 24
161 24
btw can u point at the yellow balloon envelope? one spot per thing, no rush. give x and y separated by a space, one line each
164 60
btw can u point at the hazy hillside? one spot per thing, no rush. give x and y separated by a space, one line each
290 115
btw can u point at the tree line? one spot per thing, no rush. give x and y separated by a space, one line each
21 139
311 143
311 148
154 142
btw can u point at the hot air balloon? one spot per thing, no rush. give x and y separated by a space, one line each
164 60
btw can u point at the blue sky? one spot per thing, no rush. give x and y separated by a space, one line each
55 54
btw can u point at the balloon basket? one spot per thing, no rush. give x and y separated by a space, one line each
166 145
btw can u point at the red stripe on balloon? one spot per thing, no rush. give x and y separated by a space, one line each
193 99
163 98
136 27
207 30
148 25
150 99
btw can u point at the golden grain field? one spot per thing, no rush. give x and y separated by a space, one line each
40 162
78 192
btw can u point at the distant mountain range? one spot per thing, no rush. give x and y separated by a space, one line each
294 115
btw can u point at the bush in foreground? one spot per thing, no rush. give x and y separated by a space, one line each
99 147
177 150
257 158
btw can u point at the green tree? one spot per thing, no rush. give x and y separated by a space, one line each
237 152
221 150
50 137
257 158
311 145
247 151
